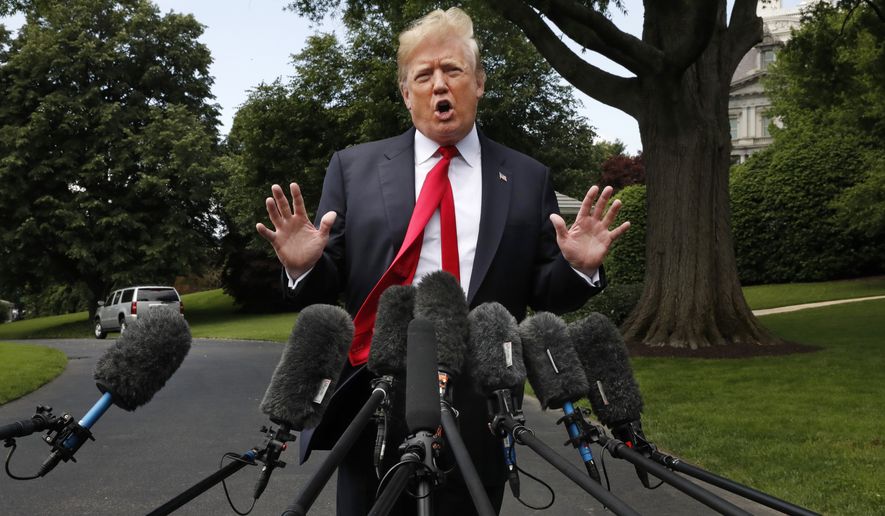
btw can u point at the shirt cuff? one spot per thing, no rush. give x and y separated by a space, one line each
294 282
592 280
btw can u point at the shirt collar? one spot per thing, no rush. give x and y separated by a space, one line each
468 147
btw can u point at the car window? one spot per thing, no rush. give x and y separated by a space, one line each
110 299
117 297
127 295
166 295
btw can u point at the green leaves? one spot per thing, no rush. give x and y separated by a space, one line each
108 137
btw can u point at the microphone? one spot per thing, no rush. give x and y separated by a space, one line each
554 371
387 356
386 360
491 330
422 416
495 354
441 301
129 373
422 400
304 379
396 308
613 393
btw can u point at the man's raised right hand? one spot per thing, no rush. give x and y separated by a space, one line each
297 242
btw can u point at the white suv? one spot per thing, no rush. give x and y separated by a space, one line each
123 306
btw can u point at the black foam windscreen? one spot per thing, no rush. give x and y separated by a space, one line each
494 349
422 382
441 300
143 358
309 368
613 394
395 311
553 367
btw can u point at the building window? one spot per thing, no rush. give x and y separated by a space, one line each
733 127
766 57
764 122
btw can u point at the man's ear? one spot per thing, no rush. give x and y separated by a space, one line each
480 84
404 91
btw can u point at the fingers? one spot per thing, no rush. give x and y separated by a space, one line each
273 212
282 203
559 226
326 223
265 233
297 200
587 203
612 213
602 202
620 230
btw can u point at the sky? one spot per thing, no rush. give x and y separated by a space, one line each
252 41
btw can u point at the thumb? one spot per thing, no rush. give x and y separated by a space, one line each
559 226
326 223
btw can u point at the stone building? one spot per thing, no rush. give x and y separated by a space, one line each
747 102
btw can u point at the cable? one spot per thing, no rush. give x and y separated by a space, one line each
224 485
538 480
10 443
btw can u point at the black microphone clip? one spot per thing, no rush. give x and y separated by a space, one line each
631 434
274 445
65 438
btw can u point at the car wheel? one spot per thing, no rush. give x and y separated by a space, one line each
99 331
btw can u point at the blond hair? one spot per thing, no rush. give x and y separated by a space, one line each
452 22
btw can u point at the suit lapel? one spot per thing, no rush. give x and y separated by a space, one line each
495 206
397 179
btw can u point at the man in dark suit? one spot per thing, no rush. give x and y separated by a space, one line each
512 246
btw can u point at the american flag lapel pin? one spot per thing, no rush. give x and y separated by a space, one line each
501 176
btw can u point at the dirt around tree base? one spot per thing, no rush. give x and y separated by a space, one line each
729 351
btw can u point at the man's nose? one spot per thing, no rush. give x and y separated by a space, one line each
439 82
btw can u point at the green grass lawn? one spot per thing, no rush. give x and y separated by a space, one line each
770 296
809 428
25 367
212 314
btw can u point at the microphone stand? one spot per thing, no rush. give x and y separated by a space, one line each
273 447
380 397
462 457
592 433
747 492
418 460
506 418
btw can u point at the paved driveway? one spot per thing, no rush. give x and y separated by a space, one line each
141 459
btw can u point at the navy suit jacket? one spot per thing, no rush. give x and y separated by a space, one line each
372 189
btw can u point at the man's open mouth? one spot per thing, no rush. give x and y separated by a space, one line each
443 106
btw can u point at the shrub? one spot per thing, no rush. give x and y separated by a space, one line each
626 260
615 302
783 219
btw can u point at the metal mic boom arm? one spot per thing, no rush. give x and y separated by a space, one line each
506 418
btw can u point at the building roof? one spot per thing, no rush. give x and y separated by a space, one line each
567 205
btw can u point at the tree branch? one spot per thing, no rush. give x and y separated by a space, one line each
700 22
619 92
744 31
594 31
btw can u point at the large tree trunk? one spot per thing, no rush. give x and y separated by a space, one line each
692 296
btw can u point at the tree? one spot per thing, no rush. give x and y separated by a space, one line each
831 74
107 137
287 132
683 65
621 170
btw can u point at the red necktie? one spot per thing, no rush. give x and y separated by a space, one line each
436 192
